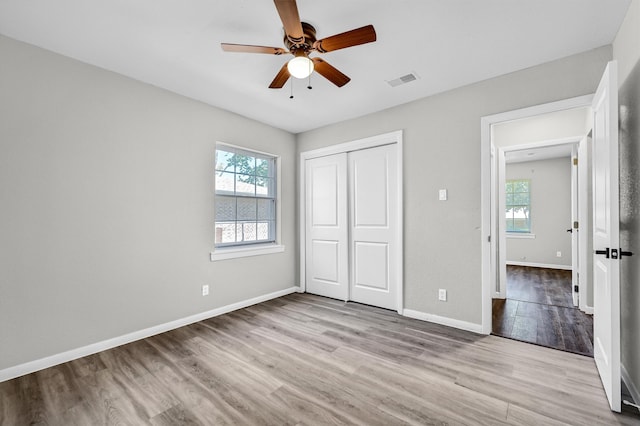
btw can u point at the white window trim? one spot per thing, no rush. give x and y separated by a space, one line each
258 249
521 235
245 251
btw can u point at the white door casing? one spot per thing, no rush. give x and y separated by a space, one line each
575 235
370 244
606 239
585 228
373 184
489 203
327 266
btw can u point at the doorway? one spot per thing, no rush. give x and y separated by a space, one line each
351 221
538 279
604 233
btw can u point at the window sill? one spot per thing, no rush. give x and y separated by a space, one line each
521 235
237 252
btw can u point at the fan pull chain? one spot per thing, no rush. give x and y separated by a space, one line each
310 72
291 86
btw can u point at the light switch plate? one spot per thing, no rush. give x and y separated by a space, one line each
442 195
442 295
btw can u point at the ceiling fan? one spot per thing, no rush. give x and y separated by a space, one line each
300 40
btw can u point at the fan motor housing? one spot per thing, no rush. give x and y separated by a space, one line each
307 44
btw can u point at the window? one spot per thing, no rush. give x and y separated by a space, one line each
518 205
245 200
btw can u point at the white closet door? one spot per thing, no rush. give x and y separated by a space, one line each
327 250
373 188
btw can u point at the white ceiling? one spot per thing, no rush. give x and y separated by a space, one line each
537 154
446 43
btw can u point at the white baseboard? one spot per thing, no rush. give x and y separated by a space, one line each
539 265
633 390
450 322
50 361
587 310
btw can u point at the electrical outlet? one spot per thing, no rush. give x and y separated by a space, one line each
442 295
205 290
558 254
442 195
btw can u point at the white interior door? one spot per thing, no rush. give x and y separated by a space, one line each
327 250
606 268
373 185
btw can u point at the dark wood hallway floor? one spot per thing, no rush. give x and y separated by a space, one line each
539 309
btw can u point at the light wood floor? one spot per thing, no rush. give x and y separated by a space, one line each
308 360
539 309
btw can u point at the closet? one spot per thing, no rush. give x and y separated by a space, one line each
352 235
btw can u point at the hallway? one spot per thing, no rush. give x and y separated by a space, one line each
539 309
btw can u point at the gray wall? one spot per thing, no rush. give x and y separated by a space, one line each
550 212
544 127
442 150
627 52
106 195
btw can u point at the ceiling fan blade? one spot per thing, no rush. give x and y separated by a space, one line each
228 47
323 68
281 78
288 11
355 37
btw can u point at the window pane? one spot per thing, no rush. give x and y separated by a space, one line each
245 202
225 233
245 184
245 164
521 186
263 231
224 160
509 213
263 167
266 210
225 208
249 231
521 198
264 187
247 208
509 200
518 205
225 182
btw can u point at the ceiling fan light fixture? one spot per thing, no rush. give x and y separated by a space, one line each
300 66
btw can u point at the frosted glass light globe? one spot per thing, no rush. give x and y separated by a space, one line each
300 67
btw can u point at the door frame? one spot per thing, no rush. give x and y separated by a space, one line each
489 236
574 141
390 138
585 205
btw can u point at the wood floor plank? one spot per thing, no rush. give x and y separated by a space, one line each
539 309
309 360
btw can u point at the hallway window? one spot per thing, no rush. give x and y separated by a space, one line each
245 200
518 205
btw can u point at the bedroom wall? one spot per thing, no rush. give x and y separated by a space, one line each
550 213
442 240
575 122
106 206
626 50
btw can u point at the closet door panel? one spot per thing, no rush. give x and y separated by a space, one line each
327 250
373 181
